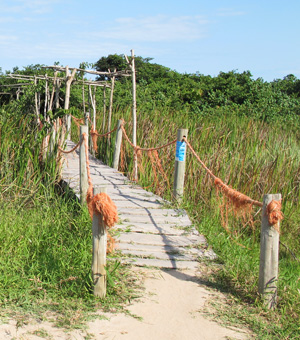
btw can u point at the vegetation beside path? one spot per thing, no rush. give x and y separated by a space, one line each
245 130
45 238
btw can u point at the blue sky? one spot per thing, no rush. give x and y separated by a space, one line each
261 36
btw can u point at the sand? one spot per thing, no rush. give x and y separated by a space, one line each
170 308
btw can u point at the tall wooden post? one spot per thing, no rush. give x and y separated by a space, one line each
82 165
83 99
134 122
269 254
180 159
118 145
99 252
37 110
104 109
69 80
93 102
110 115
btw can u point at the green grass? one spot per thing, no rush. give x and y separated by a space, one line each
46 238
46 252
255 158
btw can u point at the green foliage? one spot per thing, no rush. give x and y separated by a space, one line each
45 238
245 130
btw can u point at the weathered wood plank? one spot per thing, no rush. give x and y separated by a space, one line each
170 264
150 232
168 240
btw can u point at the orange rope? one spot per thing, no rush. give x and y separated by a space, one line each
65 152
239 200
145 149
274 213
235 196
105 134
94 139
100 204
77 121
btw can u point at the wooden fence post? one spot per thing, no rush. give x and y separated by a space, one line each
269 253
118 145
69 80
180 158
99 252
82 165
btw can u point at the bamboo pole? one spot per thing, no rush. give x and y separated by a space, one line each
69 80
104 109
46 98
134 120
99 252
37 111
180 159
118 145
83 99
269 254
93 102
82 166
110 116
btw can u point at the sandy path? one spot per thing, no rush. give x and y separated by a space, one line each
169 310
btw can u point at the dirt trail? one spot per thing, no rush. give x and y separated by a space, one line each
170 309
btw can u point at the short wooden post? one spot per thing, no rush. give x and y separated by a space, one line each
180 158
52 139
118 145
269 253
99 252
82 165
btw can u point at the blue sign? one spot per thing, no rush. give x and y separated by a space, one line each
180 151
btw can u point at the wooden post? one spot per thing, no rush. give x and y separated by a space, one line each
37 110
180 158
134 123
69 80
104 109
269 253
93 102
134 120
118 145
99 252
82 165
83 99
109 116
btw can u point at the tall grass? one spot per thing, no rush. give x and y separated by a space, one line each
45 238
251 156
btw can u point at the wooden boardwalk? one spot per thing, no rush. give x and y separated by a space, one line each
150 232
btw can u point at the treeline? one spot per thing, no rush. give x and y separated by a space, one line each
198 94
159 87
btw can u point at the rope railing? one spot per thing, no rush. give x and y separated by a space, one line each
100 204
69 151
145 149
238 199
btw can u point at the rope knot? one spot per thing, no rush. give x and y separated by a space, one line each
274 213
103 205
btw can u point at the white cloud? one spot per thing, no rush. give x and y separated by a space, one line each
156 29
31 6
229 12
7 38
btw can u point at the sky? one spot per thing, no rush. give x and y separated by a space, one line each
188 36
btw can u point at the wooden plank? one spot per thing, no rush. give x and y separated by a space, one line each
162 240
151 233
161 263
159 255
149 228
157 219
200 253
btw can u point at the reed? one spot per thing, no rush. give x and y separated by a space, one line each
250 155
